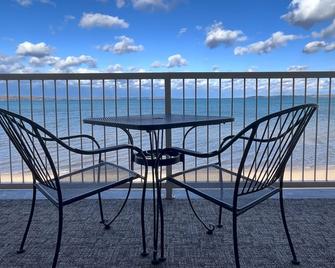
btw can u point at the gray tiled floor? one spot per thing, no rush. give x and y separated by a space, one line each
86 244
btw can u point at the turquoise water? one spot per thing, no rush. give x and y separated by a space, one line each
70 115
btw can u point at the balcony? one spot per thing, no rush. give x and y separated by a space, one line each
60 102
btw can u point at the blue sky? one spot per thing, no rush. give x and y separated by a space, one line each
163 36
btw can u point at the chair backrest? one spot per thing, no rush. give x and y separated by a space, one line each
268 144
29 140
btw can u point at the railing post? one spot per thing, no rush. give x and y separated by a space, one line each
168 136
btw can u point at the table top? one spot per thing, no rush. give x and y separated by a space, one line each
158 121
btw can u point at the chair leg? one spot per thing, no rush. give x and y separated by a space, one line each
237 259
144 245
102 220
209 227
21 250
294 261
160 214
108 223
59 236
220 219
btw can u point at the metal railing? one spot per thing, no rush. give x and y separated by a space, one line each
60 102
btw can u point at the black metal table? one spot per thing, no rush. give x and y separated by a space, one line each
155 126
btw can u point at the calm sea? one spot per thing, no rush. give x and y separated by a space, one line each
69 116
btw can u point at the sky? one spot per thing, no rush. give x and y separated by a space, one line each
166 35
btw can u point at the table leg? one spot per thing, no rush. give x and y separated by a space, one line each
157 200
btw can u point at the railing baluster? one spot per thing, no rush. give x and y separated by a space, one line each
328 125
316 126
68 122
56 123
80 126
304 136
9 143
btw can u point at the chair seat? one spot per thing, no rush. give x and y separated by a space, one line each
205 182
89 181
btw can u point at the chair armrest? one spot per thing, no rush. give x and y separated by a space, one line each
100 151
81 136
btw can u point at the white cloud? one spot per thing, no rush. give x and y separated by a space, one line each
120 3
217 35
116 68
73 61
91 20
35 50
182 31
316 46
173 61
48 2
150 4
198 27
156 64
327 32
82 70
47 60
12 64
277 39
124 45
24 3
297 68
305 13
67 18
176 61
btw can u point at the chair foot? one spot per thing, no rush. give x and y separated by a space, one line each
155 262
295 262
20 251
144 254
162 259
219 226
107 227
209 232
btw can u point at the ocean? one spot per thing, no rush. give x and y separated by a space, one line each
68 121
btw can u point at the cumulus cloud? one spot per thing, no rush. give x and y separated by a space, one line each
91 20
217 35
47 60
35 50
150 5
327 32
124 45
173 61
116 68
277 39
297 68
176 61
12 64
64 64
316 46
305 13
120 3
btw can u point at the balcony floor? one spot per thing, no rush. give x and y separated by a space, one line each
85 243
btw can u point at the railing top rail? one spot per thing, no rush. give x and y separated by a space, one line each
167 75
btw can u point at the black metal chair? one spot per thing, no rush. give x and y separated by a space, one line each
262 150
33 143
